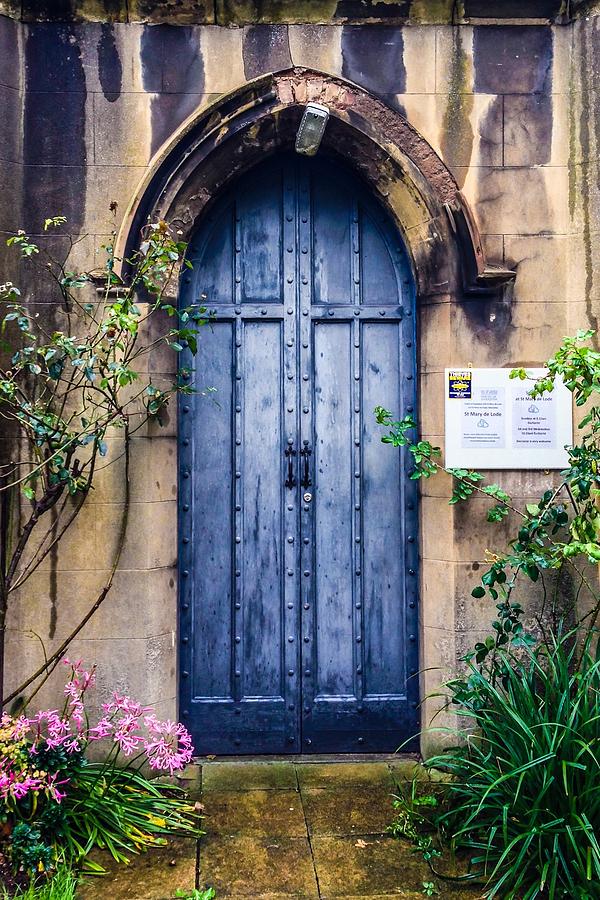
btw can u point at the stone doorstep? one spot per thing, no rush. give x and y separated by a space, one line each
281 773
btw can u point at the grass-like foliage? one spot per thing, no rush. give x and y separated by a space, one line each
525 799
121 811
61 887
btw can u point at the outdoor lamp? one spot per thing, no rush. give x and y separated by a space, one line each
312 128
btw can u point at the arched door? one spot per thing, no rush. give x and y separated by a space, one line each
298 528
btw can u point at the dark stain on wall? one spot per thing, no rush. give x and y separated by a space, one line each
586 182
373 57
515 60
172 58
265 48
54 126
110 68
9 67
490 319
151 57
183 67
457 131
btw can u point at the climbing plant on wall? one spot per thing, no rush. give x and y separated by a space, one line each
66 388
560 530
524 797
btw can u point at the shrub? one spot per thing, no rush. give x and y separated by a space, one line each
525 796
56 805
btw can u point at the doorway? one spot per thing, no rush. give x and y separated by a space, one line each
298 527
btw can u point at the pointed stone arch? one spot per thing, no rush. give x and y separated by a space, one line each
216 144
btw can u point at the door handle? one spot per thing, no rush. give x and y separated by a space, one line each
290 453
305 454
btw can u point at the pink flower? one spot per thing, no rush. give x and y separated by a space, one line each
127 734
124 704
171 748
101 730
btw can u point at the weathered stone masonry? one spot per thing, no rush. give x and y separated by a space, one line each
508 109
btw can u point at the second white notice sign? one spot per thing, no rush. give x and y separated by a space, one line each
493 423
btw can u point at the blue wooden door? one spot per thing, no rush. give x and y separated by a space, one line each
298 543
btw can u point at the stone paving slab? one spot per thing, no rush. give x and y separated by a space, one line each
281 830
249 866
365 866
155 875
336 775
260 813
363 811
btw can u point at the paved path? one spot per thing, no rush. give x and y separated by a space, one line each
283 830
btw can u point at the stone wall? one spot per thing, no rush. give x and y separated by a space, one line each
514 112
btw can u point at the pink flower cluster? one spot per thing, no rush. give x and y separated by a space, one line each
130 727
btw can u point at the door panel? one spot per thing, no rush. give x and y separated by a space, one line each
332 511
262 578
298 553
211 559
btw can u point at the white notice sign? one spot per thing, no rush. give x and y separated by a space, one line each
492 423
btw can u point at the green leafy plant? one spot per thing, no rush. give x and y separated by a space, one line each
524 798
56 805
72 383
524 801
196 894
430 889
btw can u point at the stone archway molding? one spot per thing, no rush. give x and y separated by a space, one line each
222 140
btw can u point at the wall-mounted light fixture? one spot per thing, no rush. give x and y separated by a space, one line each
312 128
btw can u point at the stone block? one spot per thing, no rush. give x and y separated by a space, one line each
583 315
105 185
78 10
536 130
474 332
542 266
156 458
11 217
248 776
116 143
145 669
151 540
250 12
486 332
537 331
535 198
10 134
419 60
187 12
437 602
219 44
47 118
464 129
431 410
487 59
316 47
10 68
140 604
343 775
